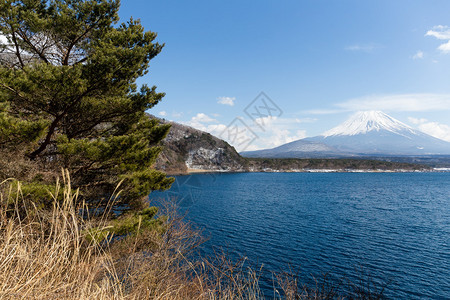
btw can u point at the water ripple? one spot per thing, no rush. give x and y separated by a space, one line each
395 226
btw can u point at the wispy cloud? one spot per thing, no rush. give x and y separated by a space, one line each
441 33
390 103
417 121
419 55
162 113
177 114
368 48
440 131
401 102
323 111
226 100
306 120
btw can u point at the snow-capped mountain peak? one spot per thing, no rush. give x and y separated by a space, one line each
365 121
372 133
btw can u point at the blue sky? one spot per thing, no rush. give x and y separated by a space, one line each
318 61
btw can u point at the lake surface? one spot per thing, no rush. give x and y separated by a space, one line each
394 226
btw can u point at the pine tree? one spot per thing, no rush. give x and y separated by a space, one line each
69 98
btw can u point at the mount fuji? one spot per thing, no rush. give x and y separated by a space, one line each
372 133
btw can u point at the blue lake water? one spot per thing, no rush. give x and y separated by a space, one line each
394 226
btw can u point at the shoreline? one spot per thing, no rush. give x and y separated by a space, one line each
206 171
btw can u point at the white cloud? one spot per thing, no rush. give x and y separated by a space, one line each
445 48
363 47
198 120
416 121
226 100
277 137
441 33
275 132
215 129
419 55
401 102
162 113
239 140
440 131
204 122
279 131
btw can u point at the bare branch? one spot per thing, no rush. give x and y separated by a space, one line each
25 38
16 45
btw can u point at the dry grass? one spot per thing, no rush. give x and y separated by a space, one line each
46 255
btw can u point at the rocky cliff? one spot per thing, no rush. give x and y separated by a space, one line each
187 149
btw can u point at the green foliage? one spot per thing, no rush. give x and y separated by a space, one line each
133 224
16 131
69 98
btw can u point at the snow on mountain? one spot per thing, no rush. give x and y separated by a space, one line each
376 133
365 121
364 133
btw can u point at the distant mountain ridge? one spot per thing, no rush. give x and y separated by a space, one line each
365 133
186 150
297 149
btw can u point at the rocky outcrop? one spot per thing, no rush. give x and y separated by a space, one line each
187 149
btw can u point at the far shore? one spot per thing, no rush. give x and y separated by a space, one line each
202 171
